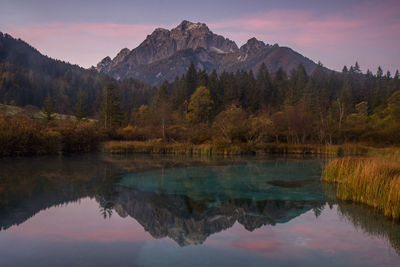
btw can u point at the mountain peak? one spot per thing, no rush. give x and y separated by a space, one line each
103 64
186 25
253 45
160 32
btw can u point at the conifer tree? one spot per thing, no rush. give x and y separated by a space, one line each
379 72
48 109
80 107
190 81
357 68
111 112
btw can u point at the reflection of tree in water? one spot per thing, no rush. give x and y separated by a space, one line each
106 207
371 222
34 184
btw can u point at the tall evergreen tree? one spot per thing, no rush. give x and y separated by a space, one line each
262 92
379 72
111 113
48 108
190 81
80 107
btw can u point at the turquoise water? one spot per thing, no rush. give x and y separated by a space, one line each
143 210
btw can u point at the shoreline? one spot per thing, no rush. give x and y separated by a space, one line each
158 147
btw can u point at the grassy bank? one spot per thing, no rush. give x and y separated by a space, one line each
159 147
372 181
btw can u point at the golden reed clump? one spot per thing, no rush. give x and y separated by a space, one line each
372 181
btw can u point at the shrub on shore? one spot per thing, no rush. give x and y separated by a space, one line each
23 136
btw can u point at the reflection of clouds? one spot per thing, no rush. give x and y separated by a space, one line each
300 239
79 222
305 237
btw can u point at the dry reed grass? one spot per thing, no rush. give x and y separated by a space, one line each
372 181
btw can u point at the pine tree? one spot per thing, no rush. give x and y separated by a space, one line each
215 92
190 81
80 107
279 88
111 112
396 75
379 72
48 109
357 68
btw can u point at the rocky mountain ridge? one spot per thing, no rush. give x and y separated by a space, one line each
165 54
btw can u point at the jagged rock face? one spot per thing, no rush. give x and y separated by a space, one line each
163 43
165 54
103 65
253 46
190 35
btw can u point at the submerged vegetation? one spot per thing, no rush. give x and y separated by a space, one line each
372 181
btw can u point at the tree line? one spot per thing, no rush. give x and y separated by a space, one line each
325 107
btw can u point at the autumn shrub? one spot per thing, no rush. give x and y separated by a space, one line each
51 142
24 136
131 133
79 137
176 133
18 136
232 124
200 134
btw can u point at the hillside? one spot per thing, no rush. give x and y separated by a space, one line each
27 77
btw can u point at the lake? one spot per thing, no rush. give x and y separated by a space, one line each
143 210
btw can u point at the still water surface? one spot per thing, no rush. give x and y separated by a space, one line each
145 210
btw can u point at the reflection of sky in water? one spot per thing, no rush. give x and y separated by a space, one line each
76 234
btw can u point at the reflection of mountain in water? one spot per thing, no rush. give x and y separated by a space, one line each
190 222
188 204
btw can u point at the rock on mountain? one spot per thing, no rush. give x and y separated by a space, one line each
165 54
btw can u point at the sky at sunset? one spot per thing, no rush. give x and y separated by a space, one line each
336 33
